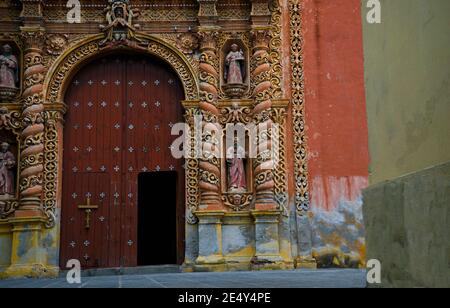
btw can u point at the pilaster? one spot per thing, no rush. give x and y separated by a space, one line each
210 253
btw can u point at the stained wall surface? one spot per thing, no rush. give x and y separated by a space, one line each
407 74
406 207
336 129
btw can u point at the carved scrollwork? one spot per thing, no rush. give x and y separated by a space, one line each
187 42
10 120
192 169
300 152
237 202
51 166
275 44
279 175
235 114
56 43
8 207
90 47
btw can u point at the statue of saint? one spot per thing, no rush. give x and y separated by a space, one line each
7 163
9 68
234 66
236 170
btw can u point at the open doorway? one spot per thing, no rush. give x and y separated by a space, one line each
157 218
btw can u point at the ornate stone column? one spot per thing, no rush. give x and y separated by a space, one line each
266 212
304 258
32 139
263 164
210 210
29 257
210 140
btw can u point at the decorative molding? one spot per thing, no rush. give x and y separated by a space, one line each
275 47
56 43
51 156
207 12
237 201
10 120
298 109
279 115
235 114
187 42
192 166
66 64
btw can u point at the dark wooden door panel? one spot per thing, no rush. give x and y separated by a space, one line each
121 111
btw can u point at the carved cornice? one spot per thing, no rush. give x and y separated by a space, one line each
32 12
260 14
207 12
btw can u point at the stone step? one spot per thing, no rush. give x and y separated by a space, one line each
139 270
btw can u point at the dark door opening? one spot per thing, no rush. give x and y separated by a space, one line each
157 218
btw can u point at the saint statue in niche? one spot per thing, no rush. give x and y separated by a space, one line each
7 163
236 171
234 66
9 68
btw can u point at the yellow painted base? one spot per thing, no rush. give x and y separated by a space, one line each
269 266
301 262
30 271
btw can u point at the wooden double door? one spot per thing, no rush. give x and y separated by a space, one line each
123 192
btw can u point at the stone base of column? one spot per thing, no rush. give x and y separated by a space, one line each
28 257
30 271
29 207
305 262
5 244
188 267
267 256
210 257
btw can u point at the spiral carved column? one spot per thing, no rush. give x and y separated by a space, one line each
32 158
263 164
266 212
209 182
210 211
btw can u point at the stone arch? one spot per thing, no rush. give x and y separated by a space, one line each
67 65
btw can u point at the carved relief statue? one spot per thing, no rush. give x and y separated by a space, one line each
120 27
236 171
235 66
7 163
9 68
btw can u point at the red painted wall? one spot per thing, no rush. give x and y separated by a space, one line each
335 101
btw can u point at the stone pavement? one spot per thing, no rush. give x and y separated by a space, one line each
327 278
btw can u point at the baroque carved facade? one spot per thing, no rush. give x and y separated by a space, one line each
247 230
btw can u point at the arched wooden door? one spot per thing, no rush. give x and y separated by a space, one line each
117 157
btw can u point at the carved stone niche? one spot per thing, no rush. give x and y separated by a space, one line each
9 160
237 171
10 71
235 77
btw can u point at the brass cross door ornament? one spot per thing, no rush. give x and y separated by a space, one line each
88 207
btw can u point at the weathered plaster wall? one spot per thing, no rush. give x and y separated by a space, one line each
407 72
407 224
336 129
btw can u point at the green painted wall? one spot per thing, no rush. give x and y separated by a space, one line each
407 72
